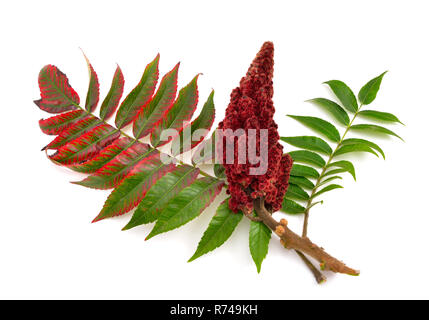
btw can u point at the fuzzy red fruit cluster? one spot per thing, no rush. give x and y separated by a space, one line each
251 107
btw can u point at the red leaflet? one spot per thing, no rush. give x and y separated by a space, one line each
57 124
111 102
74 131
139 96
104 156
134 187
153 112
112 173
57 94
181 112
86 146
93 94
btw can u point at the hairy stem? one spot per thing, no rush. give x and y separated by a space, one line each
319 180
291 240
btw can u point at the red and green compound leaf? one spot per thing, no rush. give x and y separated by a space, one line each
105 155
93 94
181 112
56 93
163 191
134 187
77 129
113 172
57 124
111 102
187 205
139 96
86 146
194 133
219 230
154 111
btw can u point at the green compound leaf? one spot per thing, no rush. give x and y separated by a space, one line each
369 91
259 238
309 143
139 96
163 191
219 230
357 147
296 192
302 182
319 125
326 189
333 108
378 115
344 94
187 205
346 165
304 171
372 128
291 207
365 142
309 157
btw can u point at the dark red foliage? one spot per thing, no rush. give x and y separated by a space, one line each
251 107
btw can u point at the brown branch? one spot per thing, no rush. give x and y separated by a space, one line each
291 240
320 278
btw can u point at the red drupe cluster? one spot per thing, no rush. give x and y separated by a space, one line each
251 107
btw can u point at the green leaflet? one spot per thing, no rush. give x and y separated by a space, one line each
133 189
326 189
93 94
181 111
153 112
139 96
330 173
369 91
346 165
330 178
344 94
372 128
309 143
309 157
333 108
357 147
296 192
199 127
291 207
219 230
363 141
378 115
187 205
114 95
302 182
304 171
319 125
259 238
219 171
163 191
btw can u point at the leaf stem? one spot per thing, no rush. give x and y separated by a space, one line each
310 203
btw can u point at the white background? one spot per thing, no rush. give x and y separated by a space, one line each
379 224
